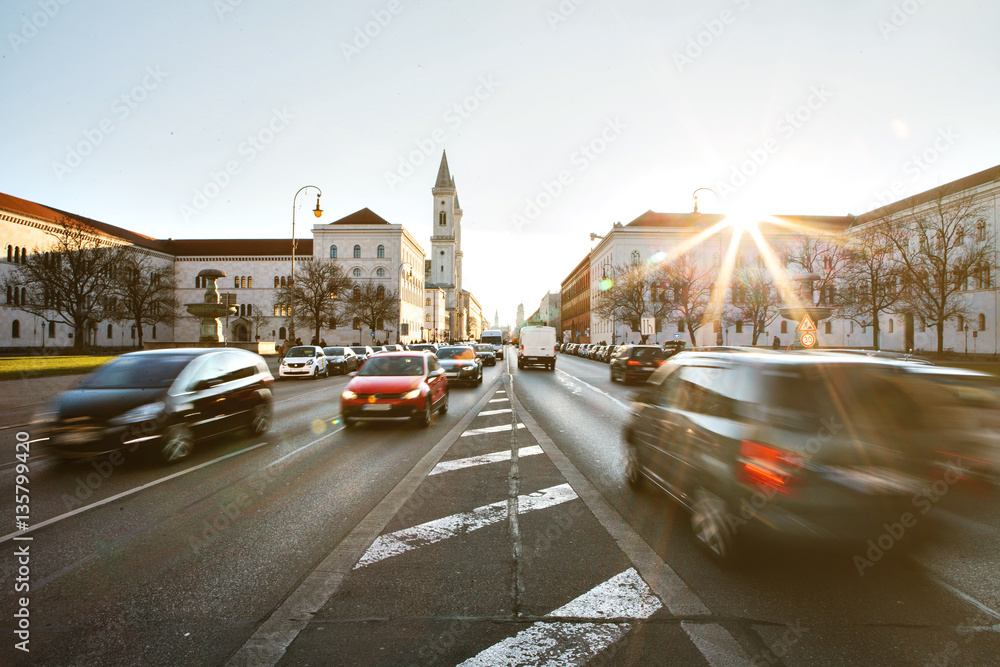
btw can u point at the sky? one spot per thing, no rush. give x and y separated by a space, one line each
201 119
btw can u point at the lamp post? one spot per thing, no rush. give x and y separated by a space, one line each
718 334
291 290
409 274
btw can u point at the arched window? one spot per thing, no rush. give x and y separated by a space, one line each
357 252
333 322
784 327
635 257
110 332
380 252
891 325
10 253
739 326
281 333
357 323
276 281
333 252
380 293
442 219
357 292
680 326
243 309
17 255
197 282
428 301
154 332
379 324
236 282
243 282
52 329
282 281
356 273
427 318
10 295
133 332
982 322
250 282
961 323
15 329
380 272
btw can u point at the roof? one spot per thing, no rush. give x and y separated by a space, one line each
27 208
990 175
700 220
444 179
236 247
363 217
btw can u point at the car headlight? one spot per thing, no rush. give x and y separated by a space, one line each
309 362
414 393
140 414
348 395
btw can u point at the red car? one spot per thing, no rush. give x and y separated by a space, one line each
395 386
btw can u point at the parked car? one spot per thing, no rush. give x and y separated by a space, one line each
395 386
486 354
340 360
394 347
363 352
160 401
796 444
635 362
537 347
461 364
424 347
303 361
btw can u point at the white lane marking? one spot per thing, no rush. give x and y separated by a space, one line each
499 400
501 391
485 413
624 596
495 457
490 429
148 485
933 576
593 388
401 541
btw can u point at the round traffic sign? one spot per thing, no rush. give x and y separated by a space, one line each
808 340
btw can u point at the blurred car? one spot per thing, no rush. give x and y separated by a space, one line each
377 348
340 360
394 347
303 361
161 402
486 354
363 352
424 347
395 386
794 444
461 364
635 362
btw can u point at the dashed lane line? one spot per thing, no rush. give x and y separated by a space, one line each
625 596
500 400
594 389
407 539
495 457
490 429
503 411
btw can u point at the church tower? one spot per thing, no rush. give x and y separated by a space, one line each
446 247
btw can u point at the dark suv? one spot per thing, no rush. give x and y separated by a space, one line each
635 362
806 445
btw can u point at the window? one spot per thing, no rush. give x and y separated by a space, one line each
380 293
356 273
981 229
379 324
281 333
428 301
982 322
110 330
250 282
680 326
10 296
380 272
10 253
133 332
739 326
442 219
891 325
333 252
852 327
784 327
828 328
282 281
357 292
961 323
380 252
427 318
357 252
154 332
15 329
24 296
635 257
921 325
52 330
357 323
236 282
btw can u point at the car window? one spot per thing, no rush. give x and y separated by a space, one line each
360 350
212 370
141 372
301 352
432 363
393 366
238 366
456 353
333 351
646 353
704 390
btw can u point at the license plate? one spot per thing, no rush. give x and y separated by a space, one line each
376 407
451 375
874 480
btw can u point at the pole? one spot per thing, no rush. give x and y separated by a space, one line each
291 279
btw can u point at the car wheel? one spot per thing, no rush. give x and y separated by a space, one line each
520 364
612 375
444 404
260 419
633 467
711 528
479 380
178 443
424 418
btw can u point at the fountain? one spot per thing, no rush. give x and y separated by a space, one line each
798 312
210 310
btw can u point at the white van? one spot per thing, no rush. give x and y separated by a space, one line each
537 346
493 337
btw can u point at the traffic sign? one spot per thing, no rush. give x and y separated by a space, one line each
808 339
677 335
807 325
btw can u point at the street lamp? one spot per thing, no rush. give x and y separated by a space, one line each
291 290
718 334
409 274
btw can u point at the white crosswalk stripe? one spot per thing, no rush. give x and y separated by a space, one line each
490 429
503 411
401 541
495 457
625 596
499 400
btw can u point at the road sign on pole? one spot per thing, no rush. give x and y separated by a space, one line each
808 339
647 326
806 325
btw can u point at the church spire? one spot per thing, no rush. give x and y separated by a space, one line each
444 176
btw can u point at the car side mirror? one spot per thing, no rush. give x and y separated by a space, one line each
352 373
436 373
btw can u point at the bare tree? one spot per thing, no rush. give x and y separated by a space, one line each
258 318
820 255
755 298
319 289
373 305
142 293
628 295
871 281
940 247
690 290
70 280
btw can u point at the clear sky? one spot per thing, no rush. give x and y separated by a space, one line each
201 119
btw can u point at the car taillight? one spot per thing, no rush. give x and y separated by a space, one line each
768 468
633 362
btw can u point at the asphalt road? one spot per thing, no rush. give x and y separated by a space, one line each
397 545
